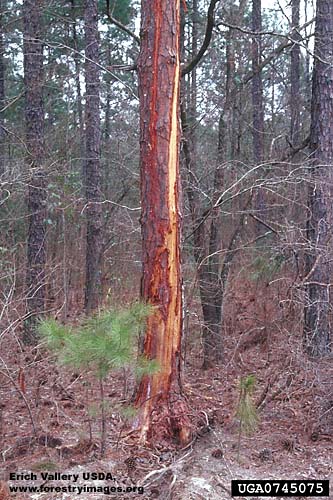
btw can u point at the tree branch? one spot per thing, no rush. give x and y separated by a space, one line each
267 60
294 150
262 33
267 226
276 52
207 39
119 24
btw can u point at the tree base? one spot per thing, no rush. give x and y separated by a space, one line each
166 422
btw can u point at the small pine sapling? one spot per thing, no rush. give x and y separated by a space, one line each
101 344
246 410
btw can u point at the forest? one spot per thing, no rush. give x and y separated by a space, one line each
166 221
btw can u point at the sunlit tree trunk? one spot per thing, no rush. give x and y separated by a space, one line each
92 177
318 316
34 122
162 409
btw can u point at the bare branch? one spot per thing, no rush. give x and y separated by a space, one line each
205 44
119 24
258 219
276 52
247 31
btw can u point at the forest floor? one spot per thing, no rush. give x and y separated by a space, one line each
293 439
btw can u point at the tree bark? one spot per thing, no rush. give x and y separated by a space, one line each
92 166
163 414
318 321
34 122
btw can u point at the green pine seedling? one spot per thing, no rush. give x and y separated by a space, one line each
44 465
246 410
101 344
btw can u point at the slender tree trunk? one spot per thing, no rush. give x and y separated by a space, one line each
224 147
212 335
208 266
192 112
237 97
107 119
308 5
163 411
257 87
295 103
92 165
200 247
77 66
257 101
2 89
34 120
212 270
318 321
218 267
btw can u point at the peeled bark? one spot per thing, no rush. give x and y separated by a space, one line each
34 122
92 177
162 408
318 314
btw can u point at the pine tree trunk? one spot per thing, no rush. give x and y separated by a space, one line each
34 120
163 412
318 314
92 167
